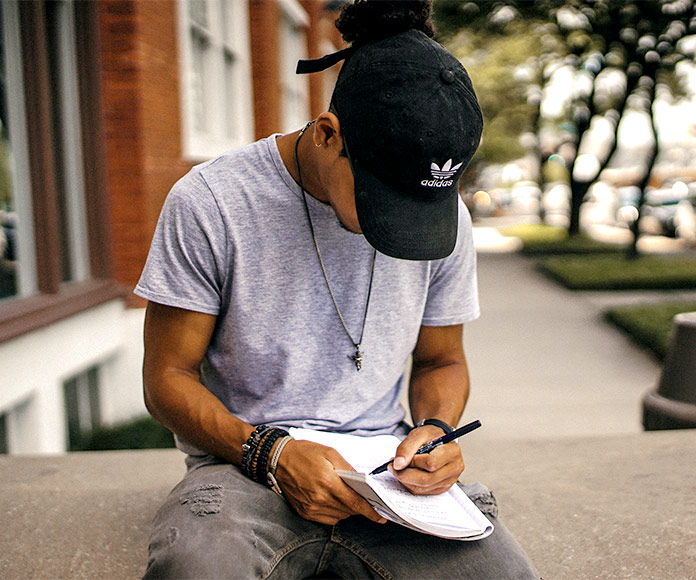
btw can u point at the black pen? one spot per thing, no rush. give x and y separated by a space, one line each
428 447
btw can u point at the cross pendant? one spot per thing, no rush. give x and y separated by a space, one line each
357 358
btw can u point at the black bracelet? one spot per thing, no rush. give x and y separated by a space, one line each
250 448
261 463
436 423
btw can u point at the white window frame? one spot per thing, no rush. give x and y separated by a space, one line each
293 46
227 107
21 182
71 139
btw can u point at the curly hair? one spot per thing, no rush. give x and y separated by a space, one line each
369 20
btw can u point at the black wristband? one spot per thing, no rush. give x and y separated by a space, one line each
261 463
436 423
250 448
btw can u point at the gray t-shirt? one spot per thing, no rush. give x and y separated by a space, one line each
233 240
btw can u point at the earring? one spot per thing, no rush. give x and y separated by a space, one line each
317 144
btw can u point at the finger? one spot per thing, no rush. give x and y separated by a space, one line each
429 473
352 502
447 455
408 448
360 506
432 485
355 503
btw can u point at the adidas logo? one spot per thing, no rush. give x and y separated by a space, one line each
441 175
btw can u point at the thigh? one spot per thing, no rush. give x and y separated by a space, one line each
219 524
393 551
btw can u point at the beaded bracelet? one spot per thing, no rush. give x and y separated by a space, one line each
261 462
256 451
250 448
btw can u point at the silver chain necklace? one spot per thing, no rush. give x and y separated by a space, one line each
357 358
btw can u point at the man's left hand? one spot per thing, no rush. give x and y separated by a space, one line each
428 473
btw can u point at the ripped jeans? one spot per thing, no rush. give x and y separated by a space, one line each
219 524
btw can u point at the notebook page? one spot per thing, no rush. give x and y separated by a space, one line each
363 453
442 510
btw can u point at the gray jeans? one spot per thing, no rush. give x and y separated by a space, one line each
218 524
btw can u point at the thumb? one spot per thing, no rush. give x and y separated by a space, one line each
400 462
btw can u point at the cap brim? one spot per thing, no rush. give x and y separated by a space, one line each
404 226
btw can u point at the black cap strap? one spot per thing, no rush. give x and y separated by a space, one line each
319 64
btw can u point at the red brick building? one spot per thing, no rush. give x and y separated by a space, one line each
104 105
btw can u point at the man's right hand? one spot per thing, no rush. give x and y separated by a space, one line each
307 475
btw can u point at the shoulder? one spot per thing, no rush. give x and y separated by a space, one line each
211 183
248 164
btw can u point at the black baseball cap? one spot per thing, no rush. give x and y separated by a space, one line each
411 123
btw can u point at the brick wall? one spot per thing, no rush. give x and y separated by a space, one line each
264 32
140 76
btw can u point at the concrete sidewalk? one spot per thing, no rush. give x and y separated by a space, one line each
544 364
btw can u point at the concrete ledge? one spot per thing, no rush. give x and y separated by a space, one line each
617 507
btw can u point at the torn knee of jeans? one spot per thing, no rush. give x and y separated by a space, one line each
172 535
204 500
486 502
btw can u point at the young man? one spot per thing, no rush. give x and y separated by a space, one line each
289 283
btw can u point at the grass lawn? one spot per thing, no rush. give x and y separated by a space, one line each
141 433
615 272
545 240
649 325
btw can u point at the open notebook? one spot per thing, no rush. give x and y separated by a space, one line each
449 515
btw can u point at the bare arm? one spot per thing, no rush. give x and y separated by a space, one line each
439 389
176 341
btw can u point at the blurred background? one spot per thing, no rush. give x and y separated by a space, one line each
588 154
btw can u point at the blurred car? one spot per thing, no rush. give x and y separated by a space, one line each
667 211
525 198
555 203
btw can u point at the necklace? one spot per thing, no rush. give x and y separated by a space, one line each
357 358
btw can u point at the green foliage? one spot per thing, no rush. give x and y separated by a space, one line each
6 201
495 64
142 433
649 325
615 272
536 233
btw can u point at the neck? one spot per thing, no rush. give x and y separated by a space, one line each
306 158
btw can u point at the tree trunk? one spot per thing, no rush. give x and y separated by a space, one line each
632 252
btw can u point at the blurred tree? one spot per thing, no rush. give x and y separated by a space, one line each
613 54
507 66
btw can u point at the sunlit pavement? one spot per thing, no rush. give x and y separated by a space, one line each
489 239
543 363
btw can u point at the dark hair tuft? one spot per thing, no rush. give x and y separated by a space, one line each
365 21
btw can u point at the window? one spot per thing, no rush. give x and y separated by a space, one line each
16 278
216 76
54 236
82 407
4 446
293 47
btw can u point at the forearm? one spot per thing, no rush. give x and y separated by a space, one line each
181 403
439 391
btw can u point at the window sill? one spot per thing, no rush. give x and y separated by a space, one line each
23 315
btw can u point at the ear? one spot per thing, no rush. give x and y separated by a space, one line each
327 131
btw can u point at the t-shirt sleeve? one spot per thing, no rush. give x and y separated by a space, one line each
453 291
188 255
